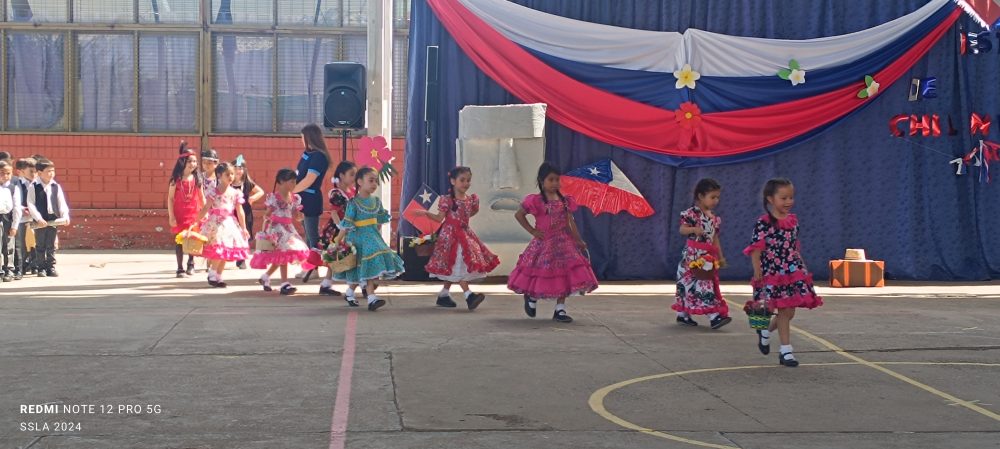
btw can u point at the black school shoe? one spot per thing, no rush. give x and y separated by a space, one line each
373 306
287 289
265 284
241 264
531 311
764 349
52 273
180 274
445 301
328 291
720 321
351 301
686 321
561 317
787 359
474 300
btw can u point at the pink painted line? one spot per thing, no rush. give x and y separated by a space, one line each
338 426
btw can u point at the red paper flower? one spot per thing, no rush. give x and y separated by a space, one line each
688 116
373 152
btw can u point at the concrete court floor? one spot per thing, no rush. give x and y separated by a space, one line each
906 366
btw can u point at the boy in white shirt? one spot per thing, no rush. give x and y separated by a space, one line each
7 227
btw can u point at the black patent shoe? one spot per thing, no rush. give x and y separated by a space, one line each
373 306
764 349
561 317
474 300
351 301
531 311
686 321
265 284
180 274
787 359
720 321
287 289
328 291
445 301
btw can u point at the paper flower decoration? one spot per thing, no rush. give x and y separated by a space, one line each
688 115
793 73
374 152
686 77
871 88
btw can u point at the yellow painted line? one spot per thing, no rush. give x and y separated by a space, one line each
953 399
597 401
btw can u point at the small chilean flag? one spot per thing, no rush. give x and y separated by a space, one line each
602 187
425 199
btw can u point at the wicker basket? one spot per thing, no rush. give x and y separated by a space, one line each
263 245
424 250
193 243
344 264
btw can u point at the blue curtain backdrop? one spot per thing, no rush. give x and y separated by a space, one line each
856 185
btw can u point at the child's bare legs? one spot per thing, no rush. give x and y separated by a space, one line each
560 313
782 323
284 274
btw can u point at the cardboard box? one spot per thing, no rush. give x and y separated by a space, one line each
857 273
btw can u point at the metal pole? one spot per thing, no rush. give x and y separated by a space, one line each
380 84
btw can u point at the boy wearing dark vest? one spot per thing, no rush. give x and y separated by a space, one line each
48 208
24 171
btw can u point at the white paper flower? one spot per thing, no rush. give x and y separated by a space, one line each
872 89
686 77
797 76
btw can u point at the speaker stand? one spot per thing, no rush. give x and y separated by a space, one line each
343 141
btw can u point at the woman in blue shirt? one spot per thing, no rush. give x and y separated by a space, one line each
309 182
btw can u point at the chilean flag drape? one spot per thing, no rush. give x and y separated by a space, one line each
692 95
602 187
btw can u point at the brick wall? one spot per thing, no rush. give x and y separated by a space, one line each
117 185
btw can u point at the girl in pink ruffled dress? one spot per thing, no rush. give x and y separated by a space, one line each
283 207
553 265
224 225
780 277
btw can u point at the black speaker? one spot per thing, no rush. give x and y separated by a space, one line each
344 95
431 85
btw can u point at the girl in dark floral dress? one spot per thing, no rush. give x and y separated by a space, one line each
701 226
340 194
780 277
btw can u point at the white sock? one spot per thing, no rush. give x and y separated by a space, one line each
785 349
712 316
283 284
372 298
212 275
467 294
445 291
327 283
350 291
765 336
682 314
532 303
560 307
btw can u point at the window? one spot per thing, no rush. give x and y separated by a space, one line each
105 66
35 80
172 11
105 11
243 99
36 10
105 84
300 79
243 12
168 82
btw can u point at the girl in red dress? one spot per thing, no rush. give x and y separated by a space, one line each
459 256
184 200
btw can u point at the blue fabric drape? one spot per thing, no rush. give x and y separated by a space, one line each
856 185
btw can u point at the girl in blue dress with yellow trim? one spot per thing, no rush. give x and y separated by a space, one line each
362 220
